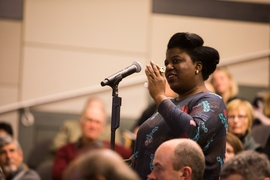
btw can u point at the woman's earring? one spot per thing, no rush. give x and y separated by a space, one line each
197 71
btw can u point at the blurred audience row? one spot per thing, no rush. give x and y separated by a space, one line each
81 149
174 159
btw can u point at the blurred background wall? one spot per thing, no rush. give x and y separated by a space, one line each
55 46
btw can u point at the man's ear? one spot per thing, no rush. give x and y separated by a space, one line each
186 172
100 177
20 153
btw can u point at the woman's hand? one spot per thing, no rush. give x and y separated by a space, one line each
156 82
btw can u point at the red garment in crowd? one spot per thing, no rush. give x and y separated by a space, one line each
70 151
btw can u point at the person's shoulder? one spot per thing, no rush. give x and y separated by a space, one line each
251 144
71 145
30 174
71 126
210 96
71 123
121 150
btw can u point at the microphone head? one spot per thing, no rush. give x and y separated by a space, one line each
138 66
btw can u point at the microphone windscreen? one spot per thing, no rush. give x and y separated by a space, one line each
138 66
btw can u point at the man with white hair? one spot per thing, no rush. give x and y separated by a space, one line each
11 160
92 124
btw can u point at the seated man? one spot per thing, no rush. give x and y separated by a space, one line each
99 164
247 165
70 130
92 124
178 159
11 160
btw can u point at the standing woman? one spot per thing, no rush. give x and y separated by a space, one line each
196 113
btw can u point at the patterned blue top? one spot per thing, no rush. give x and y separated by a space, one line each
201 117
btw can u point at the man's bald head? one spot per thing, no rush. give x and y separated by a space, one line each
178 158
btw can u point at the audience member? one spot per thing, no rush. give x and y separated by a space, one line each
247 165
224 84
233 146
261 107
70 130
240 118
178 159
261 125
92 124
5 128
99 164
11 160
196 113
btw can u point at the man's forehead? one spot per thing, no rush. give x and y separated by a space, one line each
11 145
95 113
160 156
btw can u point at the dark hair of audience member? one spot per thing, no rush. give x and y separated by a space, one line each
6 127
249 164
235 142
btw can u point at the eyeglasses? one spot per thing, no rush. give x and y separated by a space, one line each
240 117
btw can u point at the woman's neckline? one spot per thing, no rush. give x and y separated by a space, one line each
178 99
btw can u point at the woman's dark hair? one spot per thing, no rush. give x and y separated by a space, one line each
235 142
192 44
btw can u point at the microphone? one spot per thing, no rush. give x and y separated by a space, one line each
117 77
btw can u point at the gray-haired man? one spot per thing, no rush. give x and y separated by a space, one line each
11 160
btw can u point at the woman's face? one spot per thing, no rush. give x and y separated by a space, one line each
180 70
221 82
238 121
229 152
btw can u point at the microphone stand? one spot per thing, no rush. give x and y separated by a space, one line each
116 103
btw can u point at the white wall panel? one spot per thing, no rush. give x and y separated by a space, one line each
47 72
52 71
74 44
10 38
253 73
8 94
10 49
117 25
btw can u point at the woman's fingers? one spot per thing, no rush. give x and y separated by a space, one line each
157 69
154 72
